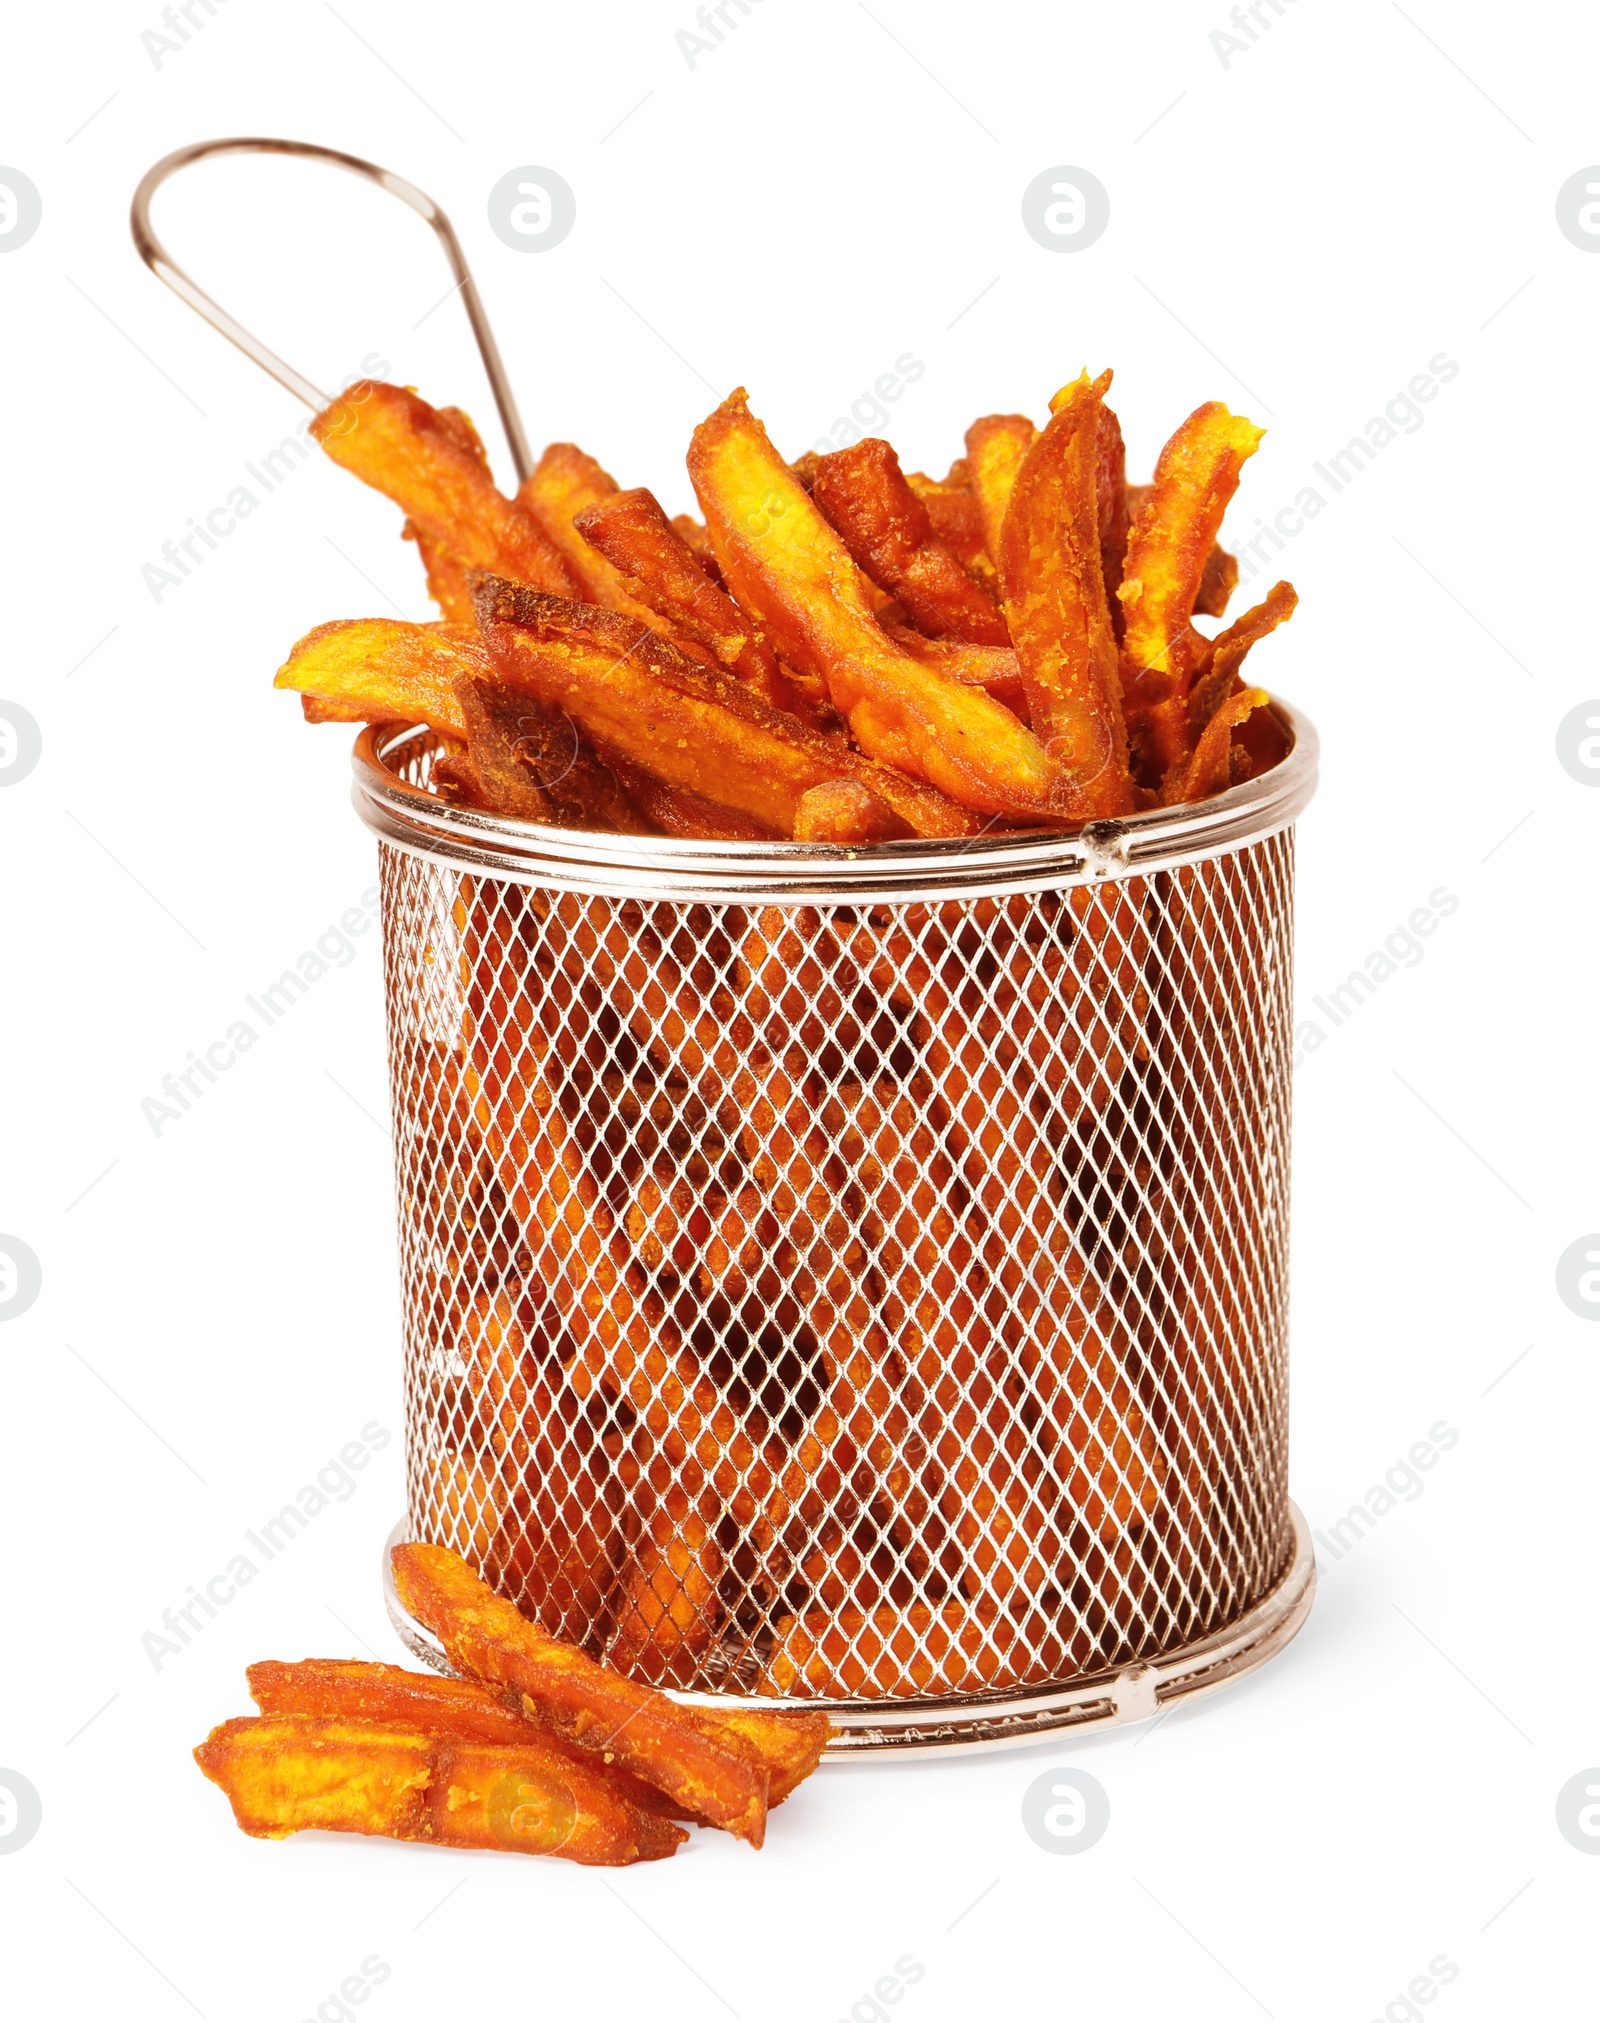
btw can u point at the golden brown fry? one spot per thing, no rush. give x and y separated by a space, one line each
995 668
790 1745
531 761
660 568
866 500
897 1652
677 812
996 446
665 1609
1056 607
717 1776
564 483
952 507
381 670
783 561
842 811
1196 475
695 729
1218 579
1207 770
447 576
1218 674
286 1773
417 456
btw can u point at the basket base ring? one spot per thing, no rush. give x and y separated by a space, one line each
870 1729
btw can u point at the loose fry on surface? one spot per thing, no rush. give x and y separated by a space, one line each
382 670
1197 474
696 729
662 571
866 500
402 447
1055 600
286 1773
719 1777
783 561
996 446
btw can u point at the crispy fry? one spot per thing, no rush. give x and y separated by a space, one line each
381 670
288 1772
677 812
1208 770
781 560
866 500
995 668
996 446
446 574
1218 580
1056 607
952 508
842 811
717 1776
662 571
565 483
896 1652
1218 675
418 457
1197 474
695 729
531 760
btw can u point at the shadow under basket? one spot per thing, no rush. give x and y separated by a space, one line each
853 1278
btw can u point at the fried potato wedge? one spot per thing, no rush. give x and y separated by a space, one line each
287 1773
719 1777
864 497
419 457
996 446
701 731
661 570
1196 475
382 670
1056 607
782 561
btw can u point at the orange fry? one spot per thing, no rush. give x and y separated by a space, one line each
783 561
715 1775
659 567
866 500
1055 598
1218 579
842 811
1208 770
666 1608
565 482
1197 474
995 668
952 508
381 670
405 449
900 1651
996 446
694 728
285 1773
529 760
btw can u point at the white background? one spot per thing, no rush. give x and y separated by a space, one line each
1297 231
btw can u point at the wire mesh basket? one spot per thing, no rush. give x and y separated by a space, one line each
853 1277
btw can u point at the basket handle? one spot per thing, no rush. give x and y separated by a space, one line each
160 262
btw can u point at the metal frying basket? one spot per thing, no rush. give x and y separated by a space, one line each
853 1277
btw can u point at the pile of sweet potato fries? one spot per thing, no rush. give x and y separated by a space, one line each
840 653
534 1749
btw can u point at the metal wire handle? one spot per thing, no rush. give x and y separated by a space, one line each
161 263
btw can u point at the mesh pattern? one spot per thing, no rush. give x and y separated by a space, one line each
857 1303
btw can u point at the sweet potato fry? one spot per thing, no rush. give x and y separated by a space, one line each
286 1773
1197 474
531 760
697 730
1217 677
1207 770
894 1652
996 446
661 570
865 499
717 1776
565 483
677 812
381 670
399 445
995 668
447 576
783 561
952 509
842 811
1056 607
1218 579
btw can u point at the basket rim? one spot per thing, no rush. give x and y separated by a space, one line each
671 867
